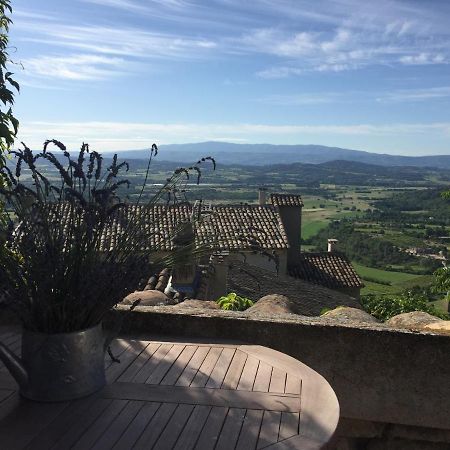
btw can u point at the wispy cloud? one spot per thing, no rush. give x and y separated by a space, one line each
416 95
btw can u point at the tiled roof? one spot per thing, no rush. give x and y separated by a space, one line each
286 200
309 299
332 270
241 227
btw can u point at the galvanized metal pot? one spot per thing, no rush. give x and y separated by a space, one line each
59 367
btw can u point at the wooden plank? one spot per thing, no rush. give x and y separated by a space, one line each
139 362
250 430
165 365
98 427
234 372
155 427
297 443
262 379
174 427
211 431
25 421
118 426
194 364
132 352
8 382
277 381
152 363
137 426
9 404
289 425
78 427
203 396
248 374
231 429
56 429
5 393
178 367
207 367
193 428
293 385
118 347
220 369
269 428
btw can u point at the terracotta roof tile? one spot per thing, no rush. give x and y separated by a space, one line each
286 200
332 270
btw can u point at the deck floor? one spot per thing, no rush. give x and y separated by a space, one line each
167 395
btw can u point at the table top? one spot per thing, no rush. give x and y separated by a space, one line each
171 394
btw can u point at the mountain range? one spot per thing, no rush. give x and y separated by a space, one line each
269 154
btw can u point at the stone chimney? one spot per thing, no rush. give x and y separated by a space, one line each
332 245
262 196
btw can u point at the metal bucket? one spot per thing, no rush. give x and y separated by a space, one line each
63 366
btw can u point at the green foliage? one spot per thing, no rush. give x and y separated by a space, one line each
8 123
442 280
234 302
384 307
69 272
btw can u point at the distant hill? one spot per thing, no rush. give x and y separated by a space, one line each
268 154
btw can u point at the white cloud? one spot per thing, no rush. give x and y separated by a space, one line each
423 58
73 67
105 136
415 95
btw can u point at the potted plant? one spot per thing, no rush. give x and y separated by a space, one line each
62 268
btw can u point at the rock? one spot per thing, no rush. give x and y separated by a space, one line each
148 298
440 327
355 428
347 314
419 433
199 304
415 320
272 304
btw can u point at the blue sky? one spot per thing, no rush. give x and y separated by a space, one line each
121 74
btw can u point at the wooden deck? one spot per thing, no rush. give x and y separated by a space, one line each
179 395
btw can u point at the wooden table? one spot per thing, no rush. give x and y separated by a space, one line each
179 395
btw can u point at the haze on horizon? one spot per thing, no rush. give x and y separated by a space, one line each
121 74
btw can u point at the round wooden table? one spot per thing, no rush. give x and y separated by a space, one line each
182 395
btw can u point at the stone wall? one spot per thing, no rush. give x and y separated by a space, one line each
393 385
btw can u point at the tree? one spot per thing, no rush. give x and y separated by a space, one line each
8 123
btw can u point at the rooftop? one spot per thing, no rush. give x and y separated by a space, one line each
286 200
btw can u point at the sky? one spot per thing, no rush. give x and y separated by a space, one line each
122 74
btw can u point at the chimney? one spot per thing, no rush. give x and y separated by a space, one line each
262 196
332 245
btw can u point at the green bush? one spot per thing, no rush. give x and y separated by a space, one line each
383 307
234 302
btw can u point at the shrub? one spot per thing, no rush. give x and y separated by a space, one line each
234 302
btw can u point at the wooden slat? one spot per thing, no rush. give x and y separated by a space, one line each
211 431
136 427
289 425
277 381
269 428
97 428
194 364
220 369
207 367
178 367
192 430
25 421
250 430
262 379
139 362
155 426
234 372
203 396
131 353
152 363
78 427
248 374
5 393
174 427
118 426
231 429
165 365
8 382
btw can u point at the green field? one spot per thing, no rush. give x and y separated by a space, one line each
379 281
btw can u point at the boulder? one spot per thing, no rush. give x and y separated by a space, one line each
439 327
148 298
415 320
346 314
272 304
199 304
